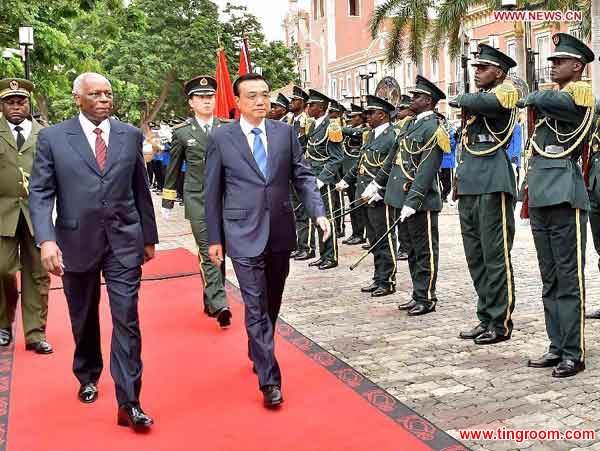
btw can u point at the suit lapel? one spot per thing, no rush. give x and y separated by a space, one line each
6 134
115 145
271 152
242 145
35 129
80 144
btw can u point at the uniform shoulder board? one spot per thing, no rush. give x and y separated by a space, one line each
334 132
581 92
183 124
366 135
443 140
507 95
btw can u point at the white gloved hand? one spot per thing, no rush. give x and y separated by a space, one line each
320 184
406 212
341 185
165 213
375 198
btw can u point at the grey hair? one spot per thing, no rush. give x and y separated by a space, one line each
81 78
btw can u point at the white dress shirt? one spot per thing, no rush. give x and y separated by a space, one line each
247 131
88 130
203 124
319 121
380 129
25 125
424 114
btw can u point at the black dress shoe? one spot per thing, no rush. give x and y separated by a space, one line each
407 305
316 262
490 337
401 255
545 361
568 368
354 240
133 416
328 264
421 308
39 347
383 291
272 396
206 310
88 393
366 247
472 333
304 255
5 337
224 317
370 288
593 315
294 253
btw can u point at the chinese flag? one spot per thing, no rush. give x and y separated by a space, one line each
244 66
225 107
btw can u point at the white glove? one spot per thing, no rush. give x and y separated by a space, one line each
165 213
320 184
375 198
406 212
370 190
323 223
341 185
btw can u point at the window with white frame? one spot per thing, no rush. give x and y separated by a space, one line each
333 89
434 69
354 7
511 49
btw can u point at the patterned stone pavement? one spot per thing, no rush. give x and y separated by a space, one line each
454 383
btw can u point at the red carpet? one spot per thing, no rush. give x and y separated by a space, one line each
199 387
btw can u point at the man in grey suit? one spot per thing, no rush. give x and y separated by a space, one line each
249 167
94 167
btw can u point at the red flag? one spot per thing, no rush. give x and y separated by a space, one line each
225 107
244 66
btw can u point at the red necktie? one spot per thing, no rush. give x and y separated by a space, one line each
100 149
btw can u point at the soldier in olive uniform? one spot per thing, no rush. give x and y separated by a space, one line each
558 202
18 251
305 236
279 108
486 192
325 156
336 113
593 187
380 142
189 142
353 141
410 178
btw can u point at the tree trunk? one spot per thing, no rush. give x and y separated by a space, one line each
42 106
153 110
520 50
596 47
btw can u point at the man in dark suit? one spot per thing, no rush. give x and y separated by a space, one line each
94 167
249 167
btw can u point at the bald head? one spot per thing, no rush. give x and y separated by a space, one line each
93 95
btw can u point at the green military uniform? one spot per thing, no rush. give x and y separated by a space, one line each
558 205
486 193
353 141
410 178
340 110
18 250
593 187
325 156
379 143
305 236
189 143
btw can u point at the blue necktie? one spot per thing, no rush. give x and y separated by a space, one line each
259 152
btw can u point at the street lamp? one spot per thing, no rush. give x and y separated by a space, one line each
26 41
366 72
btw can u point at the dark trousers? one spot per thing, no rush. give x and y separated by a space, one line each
262 281
358 218
420 234
159 174
380 217
487 225
446 182
305 230
328 250
339 214
559 235
179 185
214 290
83 297
595 220
150 171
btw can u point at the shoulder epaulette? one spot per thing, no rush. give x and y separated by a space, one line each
183 124
366 135
443 140
334 132
507 95
581 92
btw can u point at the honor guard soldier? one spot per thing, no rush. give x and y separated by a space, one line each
18 250
410 178
353 141
380 142
593 186
189 142
486 192
336 113
279 108
558 202
305 236
325 156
